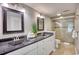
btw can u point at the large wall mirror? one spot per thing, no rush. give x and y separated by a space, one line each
12 21
40 24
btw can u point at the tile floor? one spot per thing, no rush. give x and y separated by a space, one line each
65 49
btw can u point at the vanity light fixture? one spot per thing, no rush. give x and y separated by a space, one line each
5 4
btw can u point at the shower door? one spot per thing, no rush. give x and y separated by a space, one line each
64 28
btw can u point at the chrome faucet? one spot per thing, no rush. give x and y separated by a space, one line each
16 38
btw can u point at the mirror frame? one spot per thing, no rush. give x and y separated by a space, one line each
38 23
4 11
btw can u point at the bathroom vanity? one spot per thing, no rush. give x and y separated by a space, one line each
40 45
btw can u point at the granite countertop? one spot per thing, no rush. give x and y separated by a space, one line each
5 47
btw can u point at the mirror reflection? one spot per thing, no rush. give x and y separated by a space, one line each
12 21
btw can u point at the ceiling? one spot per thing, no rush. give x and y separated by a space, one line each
51 9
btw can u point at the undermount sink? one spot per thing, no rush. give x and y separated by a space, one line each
16 42
43 34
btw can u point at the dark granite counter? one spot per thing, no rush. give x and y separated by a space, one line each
5 47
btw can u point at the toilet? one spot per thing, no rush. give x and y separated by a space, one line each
57 43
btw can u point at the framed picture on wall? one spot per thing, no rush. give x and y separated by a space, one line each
40 24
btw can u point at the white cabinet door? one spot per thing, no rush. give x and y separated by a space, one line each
24 50
46 46
40 51
40 46
49 45
53 42
32 52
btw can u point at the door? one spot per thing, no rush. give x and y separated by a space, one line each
64 28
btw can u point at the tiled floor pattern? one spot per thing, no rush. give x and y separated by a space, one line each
65 49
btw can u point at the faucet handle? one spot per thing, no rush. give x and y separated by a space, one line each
18 37
14 38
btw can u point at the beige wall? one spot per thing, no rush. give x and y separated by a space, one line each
77 28
48 24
